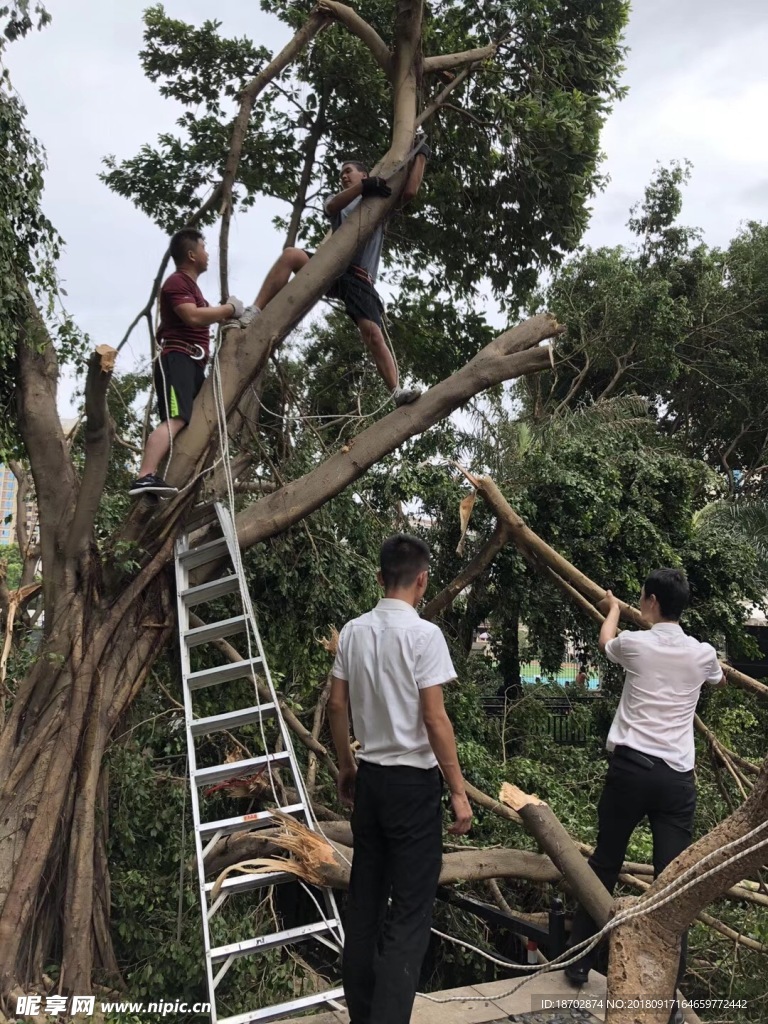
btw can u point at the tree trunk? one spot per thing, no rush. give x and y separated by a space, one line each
53 847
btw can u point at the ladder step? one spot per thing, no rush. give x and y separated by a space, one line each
273 940
266 1013
204 553
209 591
232 719
222 673
215 630
244 883
260 819
236 769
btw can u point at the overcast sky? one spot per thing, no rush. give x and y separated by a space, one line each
698 88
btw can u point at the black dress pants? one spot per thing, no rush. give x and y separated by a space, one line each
397 829
632 792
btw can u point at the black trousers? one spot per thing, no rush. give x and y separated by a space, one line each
397 829
632 792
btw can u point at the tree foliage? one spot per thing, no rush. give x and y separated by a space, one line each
515 156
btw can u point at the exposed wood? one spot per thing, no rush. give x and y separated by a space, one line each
539 820
475 568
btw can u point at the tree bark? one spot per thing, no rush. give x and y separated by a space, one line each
555 841
644 952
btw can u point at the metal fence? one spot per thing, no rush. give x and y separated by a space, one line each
561 724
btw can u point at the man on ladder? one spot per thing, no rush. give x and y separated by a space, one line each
184 344
356 286
390 669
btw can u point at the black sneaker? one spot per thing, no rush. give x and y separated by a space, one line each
577 975
152 484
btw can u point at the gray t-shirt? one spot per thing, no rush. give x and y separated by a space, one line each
367 256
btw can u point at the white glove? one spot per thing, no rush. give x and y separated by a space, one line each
237 306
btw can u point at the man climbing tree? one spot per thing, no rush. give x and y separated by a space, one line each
390 668
184 343
650 741
355 288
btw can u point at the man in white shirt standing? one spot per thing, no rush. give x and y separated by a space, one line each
650 741
390 669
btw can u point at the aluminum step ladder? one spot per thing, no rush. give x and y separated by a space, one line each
241 706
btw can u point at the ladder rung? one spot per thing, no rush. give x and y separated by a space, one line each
215 630
245 822
273 940
266 1013
236 769
204 553
232 719
209 591
222 673
244 883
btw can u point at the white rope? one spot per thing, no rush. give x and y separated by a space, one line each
341 417
646 906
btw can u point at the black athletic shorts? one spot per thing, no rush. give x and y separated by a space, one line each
178 379
360 298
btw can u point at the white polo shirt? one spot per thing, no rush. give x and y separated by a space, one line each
665 670
387 656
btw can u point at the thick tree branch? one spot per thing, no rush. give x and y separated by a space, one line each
644 951
449 61
469 573
555 841
512 354
541 552
46 446
352 21
98 447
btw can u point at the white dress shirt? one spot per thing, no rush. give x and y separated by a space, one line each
387 656
665 670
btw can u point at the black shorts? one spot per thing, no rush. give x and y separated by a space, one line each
178 379
360 298
361 301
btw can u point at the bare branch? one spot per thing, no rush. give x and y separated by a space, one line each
443 95
310 151
449 61
314 24
469 573
542 554
352 21
98 446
